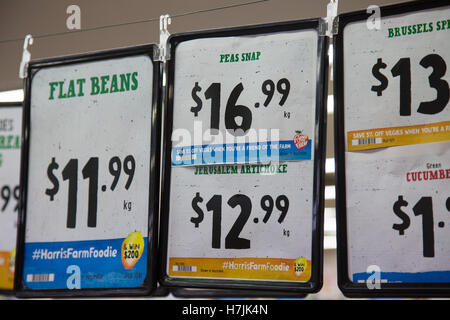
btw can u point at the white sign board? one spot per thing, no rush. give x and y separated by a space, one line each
10 141
88 182
396 127
244 142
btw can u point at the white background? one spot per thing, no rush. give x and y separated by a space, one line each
104 126
291 55
362 48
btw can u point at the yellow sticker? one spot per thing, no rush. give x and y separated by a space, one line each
132 248
7 270
398 136
241 268
12 260
300 266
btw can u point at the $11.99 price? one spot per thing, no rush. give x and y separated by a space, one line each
233 240
90 171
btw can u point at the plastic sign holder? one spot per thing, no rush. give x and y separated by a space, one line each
392 150
90 175
218 212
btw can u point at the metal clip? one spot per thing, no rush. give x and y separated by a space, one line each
163 52
329 25
26 56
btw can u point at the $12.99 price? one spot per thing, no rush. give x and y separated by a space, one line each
233 240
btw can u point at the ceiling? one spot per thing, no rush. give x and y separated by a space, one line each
107 24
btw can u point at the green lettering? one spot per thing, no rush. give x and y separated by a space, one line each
52 89
105 80
404 29
95 88
61 95
80 83
125 82
17 146
134 79
114 86
419 28
71 91
390 32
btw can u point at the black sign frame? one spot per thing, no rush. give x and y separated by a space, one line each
315 283
348 287
233 293
149 284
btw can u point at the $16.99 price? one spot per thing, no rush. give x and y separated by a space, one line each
232 109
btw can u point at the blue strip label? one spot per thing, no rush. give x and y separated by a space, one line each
81 264
416 277
240 153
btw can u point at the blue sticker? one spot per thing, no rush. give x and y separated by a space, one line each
412 277
240 153
82 264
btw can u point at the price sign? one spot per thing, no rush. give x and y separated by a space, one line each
10 141
90 179
244 158
393 151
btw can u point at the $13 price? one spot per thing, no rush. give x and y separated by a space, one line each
402 69
232 109
90 171
232 240
424 208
